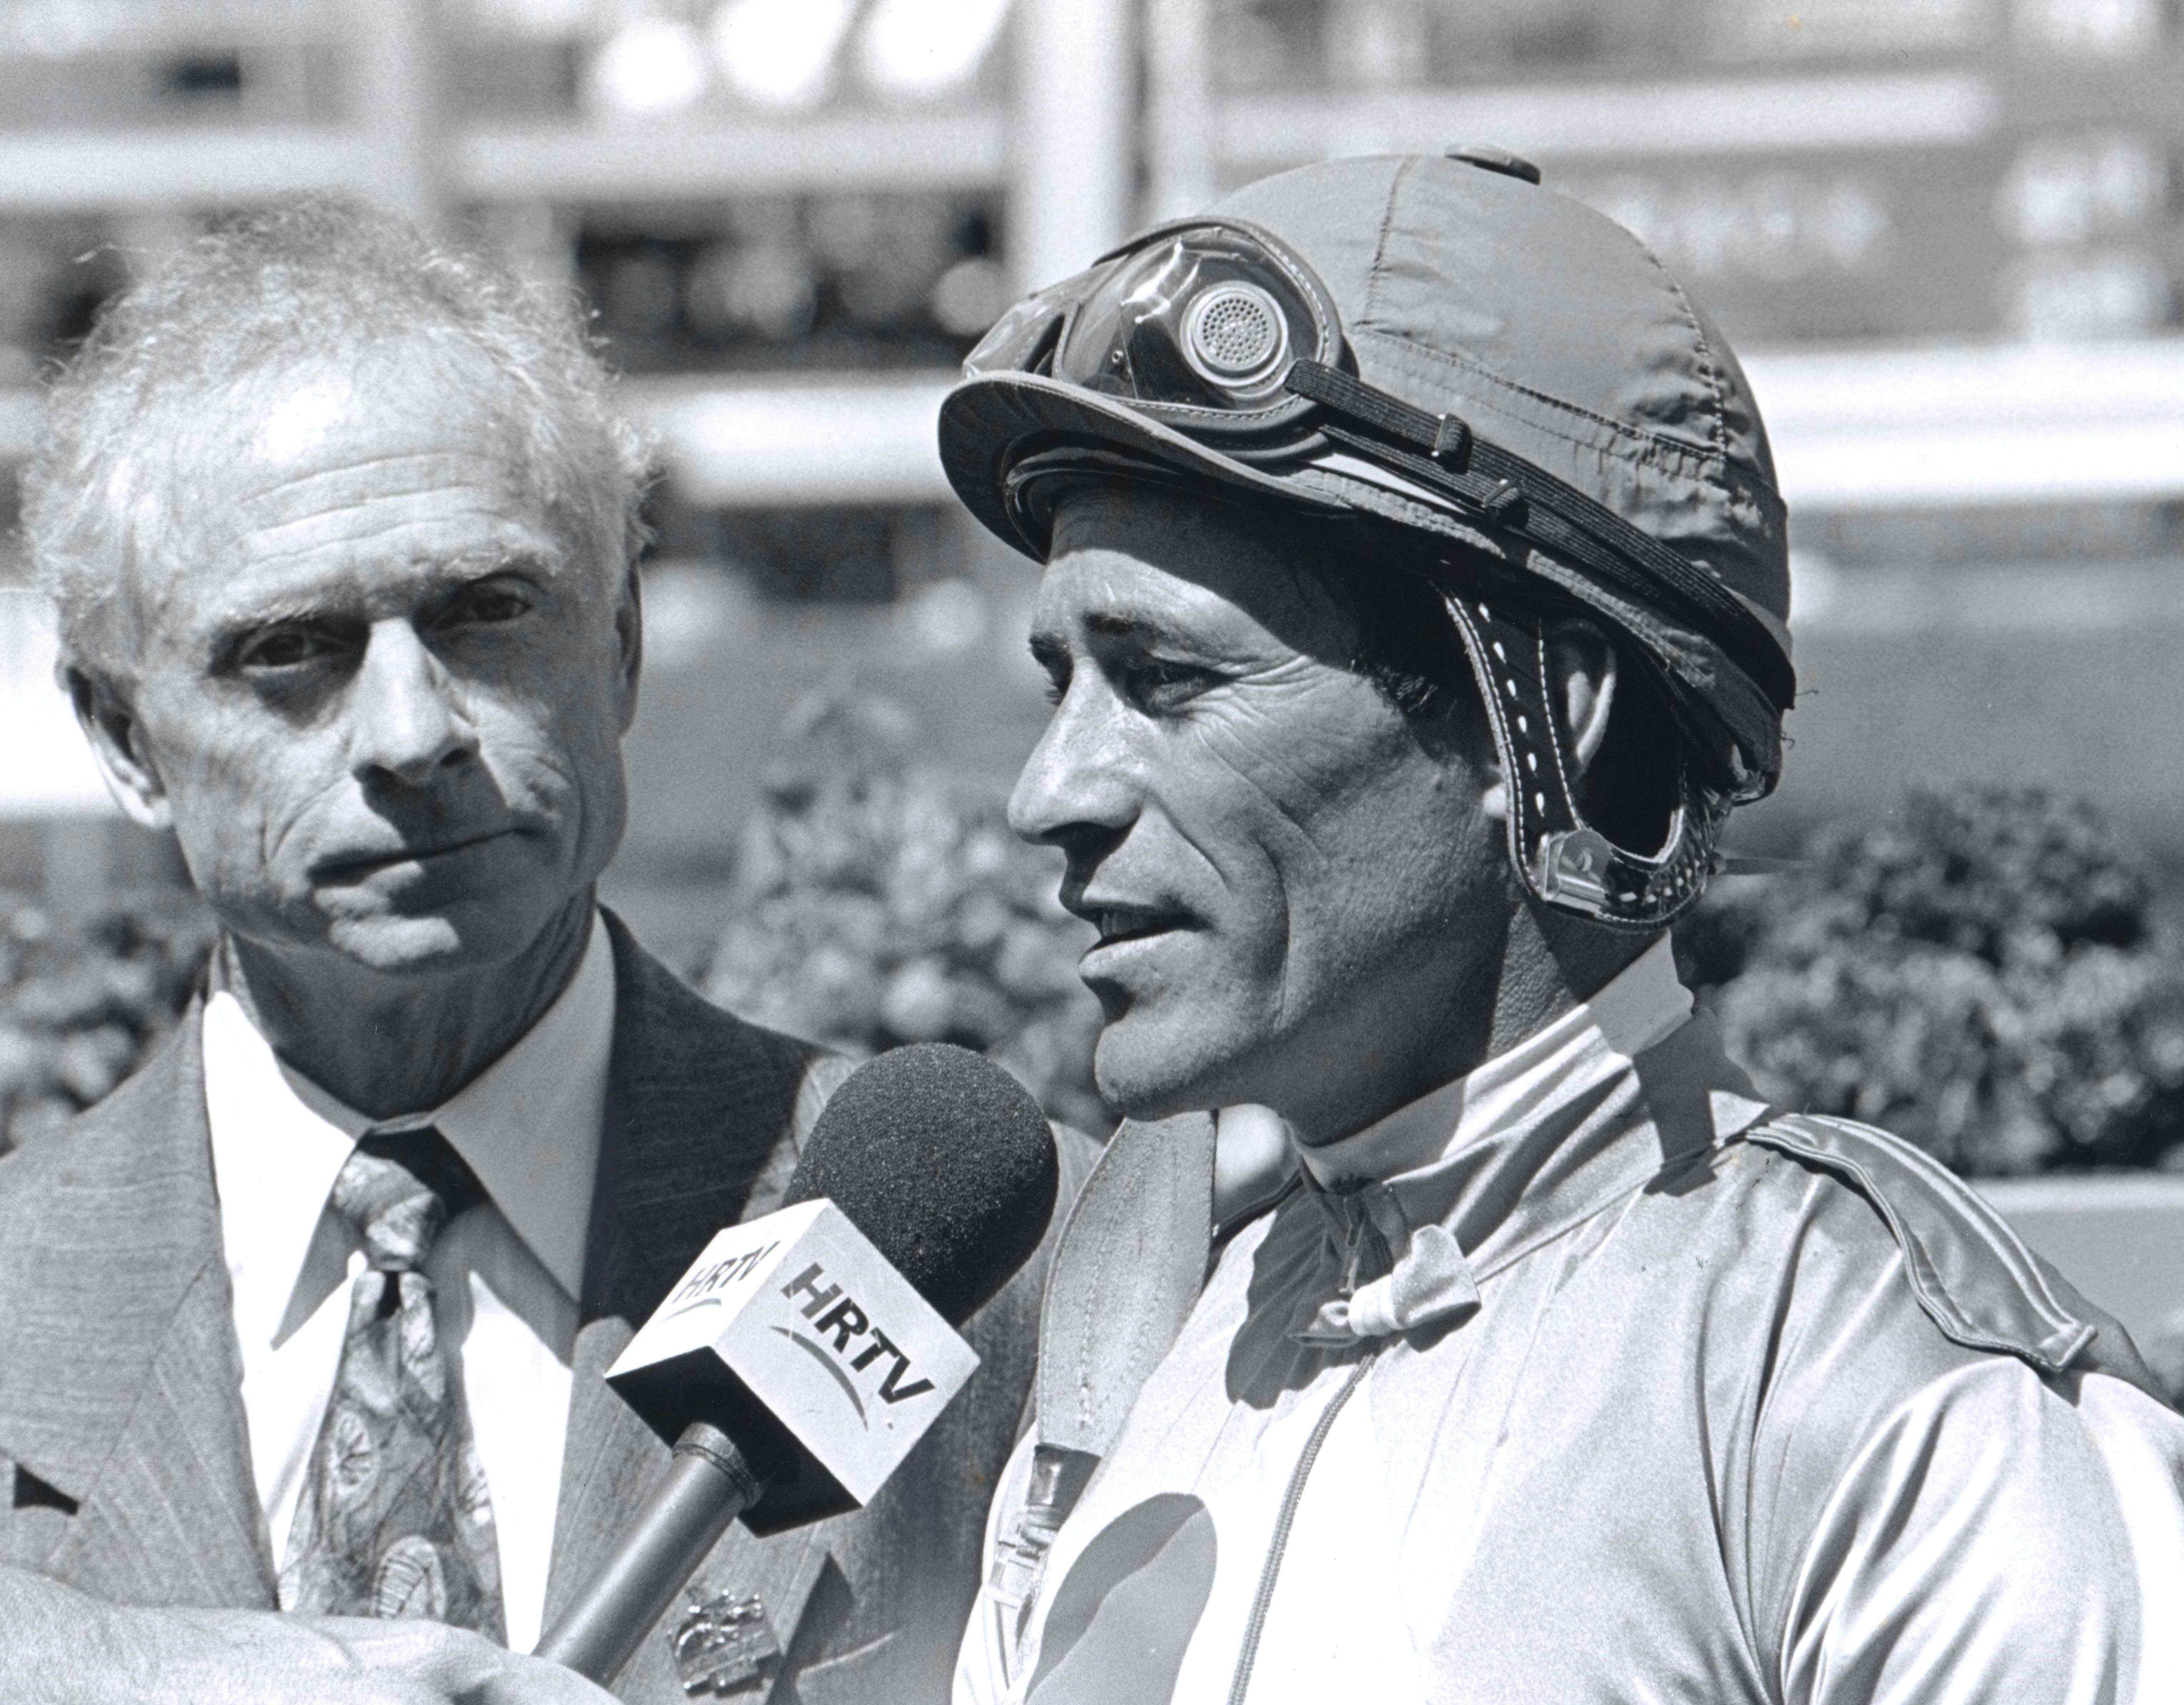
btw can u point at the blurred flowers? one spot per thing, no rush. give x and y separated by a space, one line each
1982 975
80 1007
878 901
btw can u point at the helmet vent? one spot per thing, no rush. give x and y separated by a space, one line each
1234 335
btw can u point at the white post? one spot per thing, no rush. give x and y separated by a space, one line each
1181 174
393 84
146 237
1072 153
533 238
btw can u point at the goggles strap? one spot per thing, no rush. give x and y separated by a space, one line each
1563 861
1510 493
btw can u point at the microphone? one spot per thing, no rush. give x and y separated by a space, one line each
804 1353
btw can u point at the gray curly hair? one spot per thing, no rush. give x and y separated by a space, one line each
307 280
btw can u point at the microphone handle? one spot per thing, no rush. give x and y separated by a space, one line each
708 1485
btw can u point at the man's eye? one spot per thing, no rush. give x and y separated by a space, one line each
287 648
1054 662
490 604
1160 686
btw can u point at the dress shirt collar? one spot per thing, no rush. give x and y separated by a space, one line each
1494 1163
529 1125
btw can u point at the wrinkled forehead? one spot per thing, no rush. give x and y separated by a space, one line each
325 459
326 450
1198 564
298 421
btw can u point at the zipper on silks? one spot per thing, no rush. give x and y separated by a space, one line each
1059 1476
1270 1571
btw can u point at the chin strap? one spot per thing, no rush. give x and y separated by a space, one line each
1564 861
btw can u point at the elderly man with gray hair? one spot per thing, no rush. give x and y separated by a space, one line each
302 1331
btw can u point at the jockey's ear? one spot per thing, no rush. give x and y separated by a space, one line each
1583 671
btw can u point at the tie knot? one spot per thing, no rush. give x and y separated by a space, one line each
398 1189
1368 1227
1395 1277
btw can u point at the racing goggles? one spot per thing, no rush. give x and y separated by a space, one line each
1214 328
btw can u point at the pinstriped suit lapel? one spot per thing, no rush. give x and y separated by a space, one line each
703 1116
122 1385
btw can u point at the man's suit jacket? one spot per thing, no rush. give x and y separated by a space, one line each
122 1418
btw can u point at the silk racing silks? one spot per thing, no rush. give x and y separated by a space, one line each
1581 1382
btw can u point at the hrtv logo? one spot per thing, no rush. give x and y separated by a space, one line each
706 1285
839 1318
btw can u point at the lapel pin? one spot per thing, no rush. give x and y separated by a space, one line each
725 1644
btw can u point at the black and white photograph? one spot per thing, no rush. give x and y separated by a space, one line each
1092 852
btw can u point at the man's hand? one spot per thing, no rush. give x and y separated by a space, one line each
423 1663
60 1646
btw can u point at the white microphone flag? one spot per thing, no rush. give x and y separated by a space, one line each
802 1310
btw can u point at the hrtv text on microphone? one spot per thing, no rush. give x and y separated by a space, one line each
846 1320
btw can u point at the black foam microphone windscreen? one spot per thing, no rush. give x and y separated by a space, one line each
944 1161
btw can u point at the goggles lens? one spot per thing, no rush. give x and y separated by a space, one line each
1198 323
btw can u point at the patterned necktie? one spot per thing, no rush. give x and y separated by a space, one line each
394 1518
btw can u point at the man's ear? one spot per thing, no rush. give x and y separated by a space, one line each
118 744
1582 674
1619 737
629 633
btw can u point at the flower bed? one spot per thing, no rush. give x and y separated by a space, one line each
81 1005
1984 974
879 900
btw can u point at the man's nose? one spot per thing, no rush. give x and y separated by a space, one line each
404 720
1080 780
